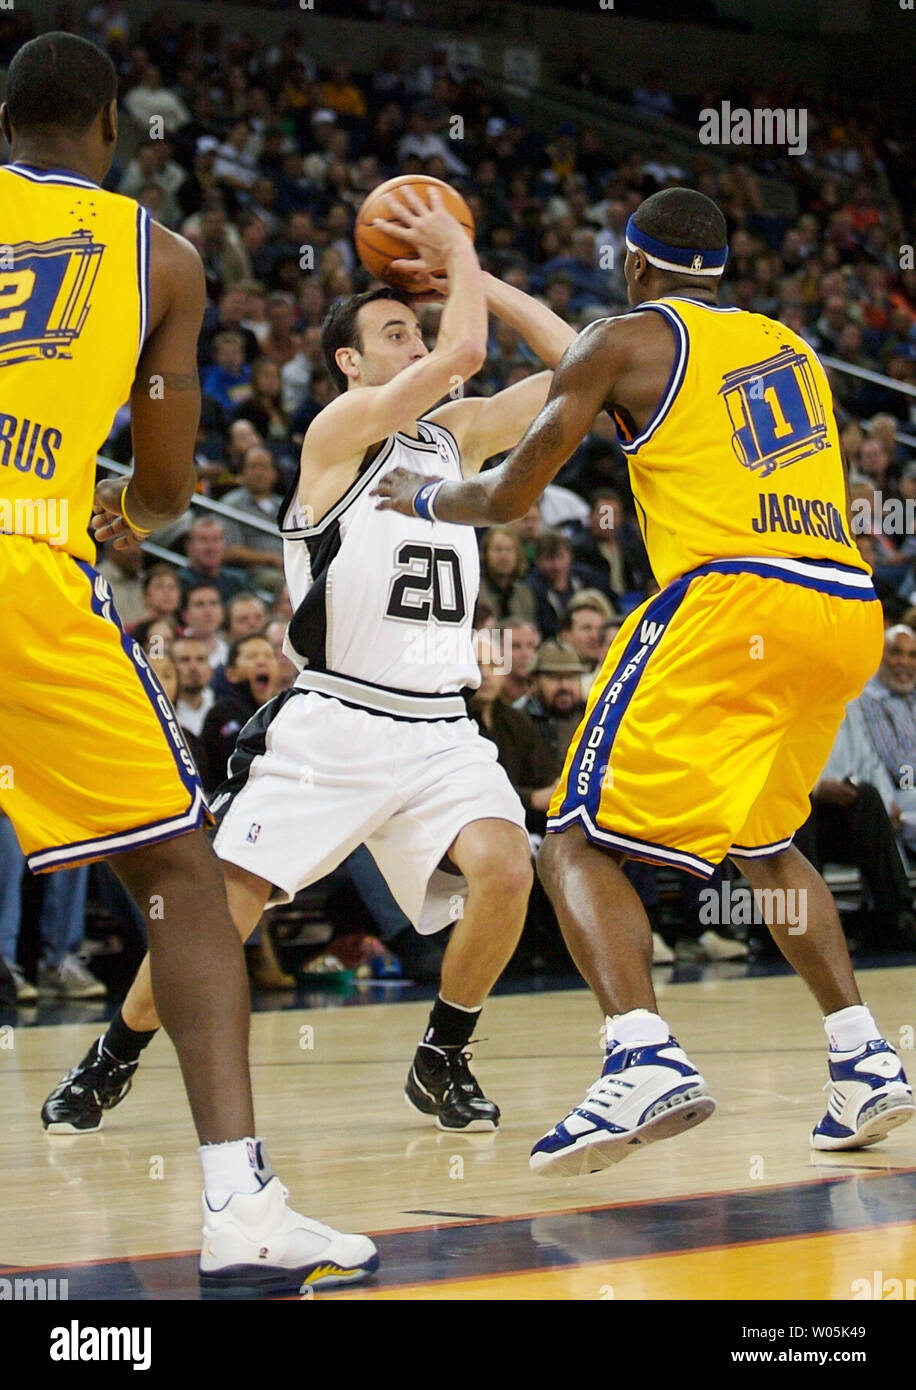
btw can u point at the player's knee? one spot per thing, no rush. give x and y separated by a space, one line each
501 867
554 853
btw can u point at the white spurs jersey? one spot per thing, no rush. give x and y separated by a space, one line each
379 596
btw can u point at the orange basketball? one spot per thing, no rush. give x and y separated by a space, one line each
377 249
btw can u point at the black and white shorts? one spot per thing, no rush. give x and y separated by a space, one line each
334 763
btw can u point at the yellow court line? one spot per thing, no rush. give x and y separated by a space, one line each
876 1263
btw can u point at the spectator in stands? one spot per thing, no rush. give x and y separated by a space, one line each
246 614
220 247
229 380
150 100
515 645
236 159
251 667
582 630
122 570
264 406
161 592
590 284
228 317
888 709
553 581
502 567
528 528
609 552
259 553
555 703
195 695
341 94
424 143
61 973
520 748
206 550
202 619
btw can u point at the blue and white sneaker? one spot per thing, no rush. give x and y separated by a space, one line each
869 1096
643 1094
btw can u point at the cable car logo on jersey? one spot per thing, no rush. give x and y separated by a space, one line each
45 287
776 413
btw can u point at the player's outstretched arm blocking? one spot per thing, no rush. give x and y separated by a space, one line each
582 383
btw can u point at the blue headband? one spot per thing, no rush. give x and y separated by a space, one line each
665 257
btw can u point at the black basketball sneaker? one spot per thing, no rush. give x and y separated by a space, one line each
441 1083
99 1083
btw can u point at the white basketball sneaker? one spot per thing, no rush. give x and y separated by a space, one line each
869 1096
647 1092
256 1245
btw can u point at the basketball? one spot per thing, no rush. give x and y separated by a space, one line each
377 248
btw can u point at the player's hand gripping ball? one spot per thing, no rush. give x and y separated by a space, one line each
384 250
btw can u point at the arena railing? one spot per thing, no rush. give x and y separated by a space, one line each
200 503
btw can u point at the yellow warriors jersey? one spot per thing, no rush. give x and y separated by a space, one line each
742 455
74 295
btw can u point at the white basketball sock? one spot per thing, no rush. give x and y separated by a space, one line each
637 1028
240 1165
849 1029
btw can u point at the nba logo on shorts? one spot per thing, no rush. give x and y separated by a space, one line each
254 831
442 450
697 263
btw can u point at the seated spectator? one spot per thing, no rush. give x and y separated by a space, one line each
220 246
582 630
341 94
150 98
194 693
528 528
252 670
521 638
229 381
202 618
849 824
156 635
228 317
122 570
553 581
61 972
260 554
246 614
888 712
161 594
520 748
555 702
502 568
205 551
589 284
609 553
264 407
236 163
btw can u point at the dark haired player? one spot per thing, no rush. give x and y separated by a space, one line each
97 301
719 699
373 744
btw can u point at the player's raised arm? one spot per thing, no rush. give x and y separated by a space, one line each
355 420
487 426
582 383
164 402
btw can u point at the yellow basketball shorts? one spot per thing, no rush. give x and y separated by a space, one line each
716 709
92 760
